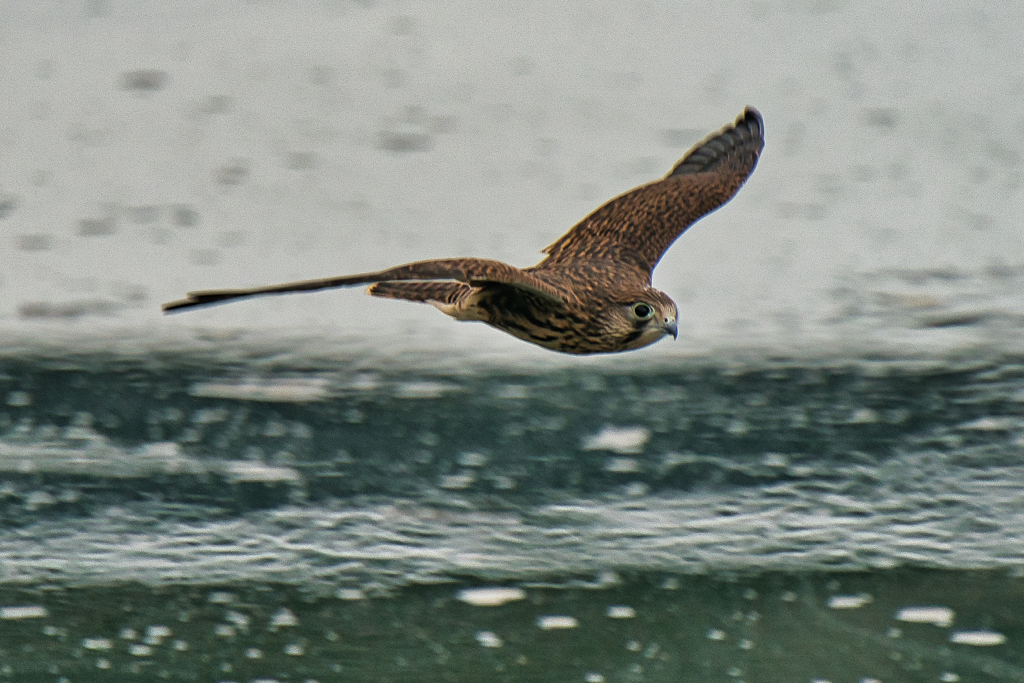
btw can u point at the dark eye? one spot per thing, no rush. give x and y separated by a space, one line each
642 311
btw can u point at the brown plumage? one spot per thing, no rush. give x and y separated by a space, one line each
592 292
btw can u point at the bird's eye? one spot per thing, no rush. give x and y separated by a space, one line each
642 311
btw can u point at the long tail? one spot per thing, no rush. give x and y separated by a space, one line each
469 270
213 296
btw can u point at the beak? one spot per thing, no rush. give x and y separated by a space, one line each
672 328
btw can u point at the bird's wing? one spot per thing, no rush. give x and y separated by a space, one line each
470 270
438 291
642 224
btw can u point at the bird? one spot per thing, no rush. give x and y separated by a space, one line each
592 291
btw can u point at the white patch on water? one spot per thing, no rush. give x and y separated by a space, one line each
424 390
18 612
490 597
97 643
456 482
625 440
269 390
98 457
855 601
939 616
349 594
284 617
156 634
488 639
993 424
979 638
863 416
244 470
556 622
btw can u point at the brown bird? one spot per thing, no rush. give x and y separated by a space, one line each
592 292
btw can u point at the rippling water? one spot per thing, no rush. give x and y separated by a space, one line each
696 520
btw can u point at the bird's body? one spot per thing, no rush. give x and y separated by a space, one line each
592 292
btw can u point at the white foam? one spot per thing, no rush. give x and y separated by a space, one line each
97 643
271 390
156 634
555 622
992 424
488 639
23 612
490 597
980 638
456 482
283 617
221 597
625 440
939 616
849 601
158 631
244 470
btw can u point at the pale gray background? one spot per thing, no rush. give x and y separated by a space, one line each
149 148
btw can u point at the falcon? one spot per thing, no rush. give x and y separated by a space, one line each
592 292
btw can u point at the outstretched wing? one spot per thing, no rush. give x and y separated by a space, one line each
642 224
469 270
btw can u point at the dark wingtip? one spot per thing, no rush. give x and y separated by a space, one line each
738 145
752 121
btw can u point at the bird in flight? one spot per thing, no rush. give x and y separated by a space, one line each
592 292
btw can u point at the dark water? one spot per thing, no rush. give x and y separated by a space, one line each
769 627
264 517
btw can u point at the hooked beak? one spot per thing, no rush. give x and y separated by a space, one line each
671 328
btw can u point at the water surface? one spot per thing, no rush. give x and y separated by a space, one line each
733 519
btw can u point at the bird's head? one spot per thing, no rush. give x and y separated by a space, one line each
641 318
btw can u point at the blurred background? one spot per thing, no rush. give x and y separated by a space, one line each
820 480
152 148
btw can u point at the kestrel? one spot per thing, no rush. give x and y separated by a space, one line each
592 292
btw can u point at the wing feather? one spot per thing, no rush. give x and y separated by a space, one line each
639 226
438 291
